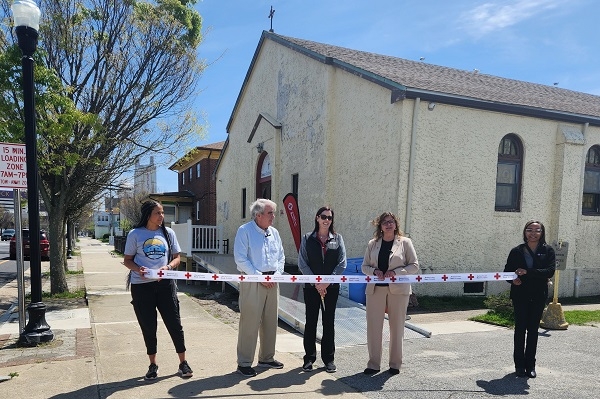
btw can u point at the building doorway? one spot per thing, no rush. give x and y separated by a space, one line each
263 176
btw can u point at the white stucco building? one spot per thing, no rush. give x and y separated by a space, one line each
464 159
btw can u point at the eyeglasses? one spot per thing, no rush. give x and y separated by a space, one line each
325 217
390 221
533 230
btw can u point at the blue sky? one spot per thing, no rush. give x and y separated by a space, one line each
541 41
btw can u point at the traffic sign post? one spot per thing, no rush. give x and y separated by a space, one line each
13 174
13 166
20 264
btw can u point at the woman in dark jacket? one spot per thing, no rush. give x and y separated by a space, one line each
533 263
321 252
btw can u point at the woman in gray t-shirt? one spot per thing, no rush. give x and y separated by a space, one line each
152 245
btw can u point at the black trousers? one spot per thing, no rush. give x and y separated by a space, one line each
528 313
312 302
161 295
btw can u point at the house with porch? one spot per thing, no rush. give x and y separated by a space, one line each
191 211
464 159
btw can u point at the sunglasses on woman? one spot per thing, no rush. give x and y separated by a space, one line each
325 217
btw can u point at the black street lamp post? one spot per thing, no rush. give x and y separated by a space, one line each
26 16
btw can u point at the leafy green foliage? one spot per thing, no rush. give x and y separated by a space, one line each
500 303
113 82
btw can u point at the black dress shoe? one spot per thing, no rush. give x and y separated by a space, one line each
531 373
520 372
370 371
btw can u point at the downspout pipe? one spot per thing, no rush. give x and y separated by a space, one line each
411 167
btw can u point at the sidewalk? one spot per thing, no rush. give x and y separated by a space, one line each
98 352
116 363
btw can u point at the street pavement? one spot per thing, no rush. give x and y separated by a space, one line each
98 352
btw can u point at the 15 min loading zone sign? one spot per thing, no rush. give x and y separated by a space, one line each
13 166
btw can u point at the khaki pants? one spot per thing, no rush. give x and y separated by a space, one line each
396 309
258 319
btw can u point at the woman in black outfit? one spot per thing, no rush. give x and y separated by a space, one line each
322 252
533 263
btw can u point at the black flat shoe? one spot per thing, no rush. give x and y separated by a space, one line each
520 372
531 373
370 371
393 371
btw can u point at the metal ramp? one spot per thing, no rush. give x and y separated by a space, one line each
350 318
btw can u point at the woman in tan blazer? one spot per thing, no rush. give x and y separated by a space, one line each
388 254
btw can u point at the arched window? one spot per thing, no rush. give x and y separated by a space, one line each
590 204
508 174
263 176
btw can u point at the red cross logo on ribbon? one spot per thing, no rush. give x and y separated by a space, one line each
188 275
419 278
242 278
215 277
393 278
268 278
343 279
496 276
470 277
293 278
160 273
444 277
319 279
368 279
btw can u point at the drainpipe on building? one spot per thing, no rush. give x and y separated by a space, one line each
411 167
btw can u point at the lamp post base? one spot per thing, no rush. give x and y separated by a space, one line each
37 330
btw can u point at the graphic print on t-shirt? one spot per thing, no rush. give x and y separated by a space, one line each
154 248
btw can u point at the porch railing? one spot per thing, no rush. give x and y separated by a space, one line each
198 238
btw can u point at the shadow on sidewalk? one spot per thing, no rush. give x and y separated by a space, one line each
510 384
106 390
287 381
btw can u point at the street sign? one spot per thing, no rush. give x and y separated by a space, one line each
13 166
561 250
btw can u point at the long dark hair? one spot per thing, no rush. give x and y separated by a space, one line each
146 210
542 237
319 212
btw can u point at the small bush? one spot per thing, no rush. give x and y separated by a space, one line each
105 236
500 304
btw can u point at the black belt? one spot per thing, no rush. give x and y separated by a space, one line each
382 285
268 273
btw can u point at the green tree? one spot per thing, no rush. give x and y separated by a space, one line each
114 81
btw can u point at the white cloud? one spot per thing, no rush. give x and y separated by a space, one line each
490 17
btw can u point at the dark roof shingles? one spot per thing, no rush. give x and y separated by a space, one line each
439 79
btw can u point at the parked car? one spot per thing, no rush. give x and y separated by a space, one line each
44 245
7 234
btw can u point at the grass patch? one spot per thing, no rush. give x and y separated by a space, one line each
582 317
450 303
497 318
63 295
573 317
74 271
66 295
